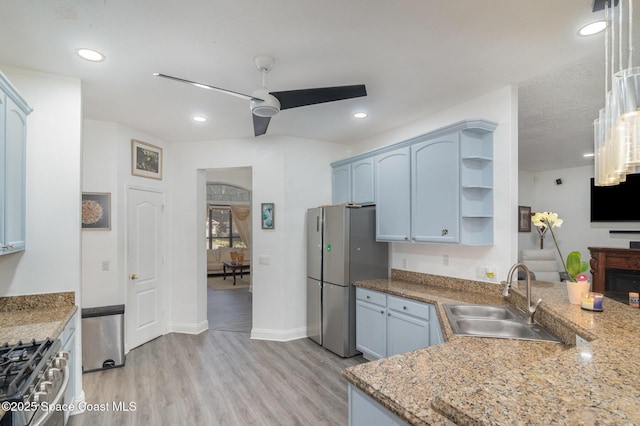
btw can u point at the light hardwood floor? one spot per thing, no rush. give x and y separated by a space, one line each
229 310
221 378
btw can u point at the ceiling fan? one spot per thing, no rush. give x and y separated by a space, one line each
265 104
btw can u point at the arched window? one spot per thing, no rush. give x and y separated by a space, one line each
220 193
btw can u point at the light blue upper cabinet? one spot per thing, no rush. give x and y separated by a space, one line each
393 195
341 181
434 190
362 181
353 181
13 136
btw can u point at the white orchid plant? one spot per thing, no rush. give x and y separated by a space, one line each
574 264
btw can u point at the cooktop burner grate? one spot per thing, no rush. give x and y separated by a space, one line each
18 363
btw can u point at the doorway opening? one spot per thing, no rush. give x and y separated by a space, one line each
228 246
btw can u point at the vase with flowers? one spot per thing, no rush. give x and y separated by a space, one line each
574 265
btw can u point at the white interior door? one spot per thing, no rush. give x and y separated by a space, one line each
145 236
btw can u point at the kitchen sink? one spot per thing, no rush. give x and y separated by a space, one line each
481 311
503 322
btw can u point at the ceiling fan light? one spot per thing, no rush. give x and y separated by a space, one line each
265 111
360 115
264 104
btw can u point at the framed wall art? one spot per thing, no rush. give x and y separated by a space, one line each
267 211
96 210
524 219
146 160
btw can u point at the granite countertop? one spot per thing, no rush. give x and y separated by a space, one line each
39 316
472 380
36 317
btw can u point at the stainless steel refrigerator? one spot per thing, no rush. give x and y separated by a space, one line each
341 249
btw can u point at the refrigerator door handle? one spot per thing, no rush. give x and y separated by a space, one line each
317 223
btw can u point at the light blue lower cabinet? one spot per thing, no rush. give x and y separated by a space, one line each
388 325
371 326
405 333
364 411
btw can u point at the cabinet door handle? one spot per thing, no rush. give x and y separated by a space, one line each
368 297
8 246
445 232
406 238
382 312
404 307
133 276
389 314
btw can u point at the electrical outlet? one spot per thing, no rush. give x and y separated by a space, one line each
490 273
264 260
445 259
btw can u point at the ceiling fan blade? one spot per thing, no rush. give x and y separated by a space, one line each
297 98
206 86
260 124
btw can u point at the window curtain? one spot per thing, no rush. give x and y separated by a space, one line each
241 215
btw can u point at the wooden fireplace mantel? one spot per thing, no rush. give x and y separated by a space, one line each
607 257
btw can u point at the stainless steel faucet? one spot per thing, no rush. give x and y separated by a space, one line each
531 310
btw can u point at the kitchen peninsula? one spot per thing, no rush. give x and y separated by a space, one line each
473 380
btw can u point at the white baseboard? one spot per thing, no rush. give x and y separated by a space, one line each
189 328
79 405
278 335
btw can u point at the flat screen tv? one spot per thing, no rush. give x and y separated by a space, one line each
616 203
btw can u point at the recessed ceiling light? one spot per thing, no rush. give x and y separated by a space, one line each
593 28
360 115
90 55
199 118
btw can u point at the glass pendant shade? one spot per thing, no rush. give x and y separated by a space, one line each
617 128
627 89
598 154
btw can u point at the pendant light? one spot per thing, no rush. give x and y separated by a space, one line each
617 128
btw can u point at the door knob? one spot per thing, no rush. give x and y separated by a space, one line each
133 277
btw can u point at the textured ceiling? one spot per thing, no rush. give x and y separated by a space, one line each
556 113
416 57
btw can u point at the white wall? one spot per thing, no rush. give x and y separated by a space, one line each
500 106
571 201
99 174
107 168
293 173
51 261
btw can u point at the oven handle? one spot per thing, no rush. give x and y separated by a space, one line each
58 399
